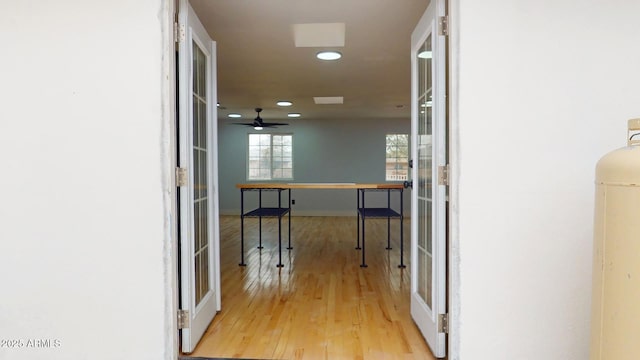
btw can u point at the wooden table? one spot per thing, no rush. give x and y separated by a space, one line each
362 211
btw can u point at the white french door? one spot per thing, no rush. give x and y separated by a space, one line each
198 201
428 139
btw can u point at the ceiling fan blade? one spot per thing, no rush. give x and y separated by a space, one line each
258 122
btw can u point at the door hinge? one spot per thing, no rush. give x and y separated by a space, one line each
178 32
444 25
443 175
183 319
181 176
443 323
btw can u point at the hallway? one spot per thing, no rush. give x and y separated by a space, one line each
321 304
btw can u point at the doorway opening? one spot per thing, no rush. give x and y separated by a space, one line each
265 278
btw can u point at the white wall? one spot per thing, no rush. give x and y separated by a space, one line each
84 234
544 90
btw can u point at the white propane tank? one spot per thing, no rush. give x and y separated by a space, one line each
615 311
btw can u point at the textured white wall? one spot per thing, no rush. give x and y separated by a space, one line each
544 90
84 244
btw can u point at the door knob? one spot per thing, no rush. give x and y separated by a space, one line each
408 184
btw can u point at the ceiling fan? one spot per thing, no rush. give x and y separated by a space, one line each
258 124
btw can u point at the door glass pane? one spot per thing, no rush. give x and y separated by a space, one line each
200 174
425 171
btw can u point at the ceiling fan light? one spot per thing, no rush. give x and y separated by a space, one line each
284 103
328 55
258 124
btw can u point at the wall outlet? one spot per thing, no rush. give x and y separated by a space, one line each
293 201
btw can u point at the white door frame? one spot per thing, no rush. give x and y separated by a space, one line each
453 61
427 314
199 312
171 292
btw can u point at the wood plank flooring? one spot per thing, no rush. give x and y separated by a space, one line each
321 304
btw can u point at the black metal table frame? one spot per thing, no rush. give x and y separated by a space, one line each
362 211
261 212
388 212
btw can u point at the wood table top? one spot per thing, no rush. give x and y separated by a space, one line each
319 186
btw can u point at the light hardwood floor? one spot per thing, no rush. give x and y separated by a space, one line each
321 304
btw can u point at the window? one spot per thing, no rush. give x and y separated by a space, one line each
270 157
397 164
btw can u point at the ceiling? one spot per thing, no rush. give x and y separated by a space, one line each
259 64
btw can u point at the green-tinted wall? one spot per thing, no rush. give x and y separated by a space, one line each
324 151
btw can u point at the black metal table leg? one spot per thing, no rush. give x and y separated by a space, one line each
388 220
260 220
242 228
289 247
364 264
279 231
402 265
358 221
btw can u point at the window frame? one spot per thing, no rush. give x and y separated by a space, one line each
386 158
272 169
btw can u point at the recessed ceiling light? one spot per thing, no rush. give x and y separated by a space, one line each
234 115
425 55
328 55
284 103
293 115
